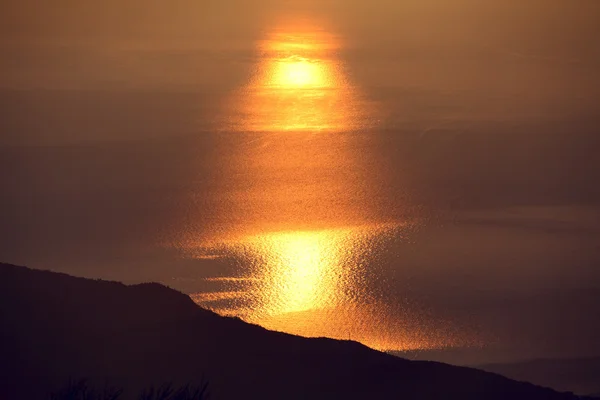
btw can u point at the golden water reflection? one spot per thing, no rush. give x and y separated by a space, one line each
316 283
300 84
302 269
293 271
296 214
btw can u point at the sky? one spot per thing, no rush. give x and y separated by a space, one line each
477 133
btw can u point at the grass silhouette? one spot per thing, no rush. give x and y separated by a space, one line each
80 390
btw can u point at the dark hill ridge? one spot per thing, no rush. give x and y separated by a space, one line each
56 327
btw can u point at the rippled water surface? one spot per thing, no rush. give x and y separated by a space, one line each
307 224
411 175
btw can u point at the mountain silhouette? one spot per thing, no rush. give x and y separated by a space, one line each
56 327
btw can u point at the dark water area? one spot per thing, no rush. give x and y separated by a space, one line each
414 184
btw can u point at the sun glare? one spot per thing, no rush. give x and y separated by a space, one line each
301 269
299 85
308 283
298 73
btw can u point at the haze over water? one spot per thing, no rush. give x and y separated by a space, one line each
304 199
411 176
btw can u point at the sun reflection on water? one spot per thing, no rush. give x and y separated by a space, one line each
294 227
298 72
314 283
302 270
300 84
294 272
300 264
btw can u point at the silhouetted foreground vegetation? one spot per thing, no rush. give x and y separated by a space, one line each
81 390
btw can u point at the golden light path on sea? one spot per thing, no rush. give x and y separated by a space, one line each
295 216
314 283
300 84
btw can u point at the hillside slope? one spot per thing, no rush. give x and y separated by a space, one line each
56 327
